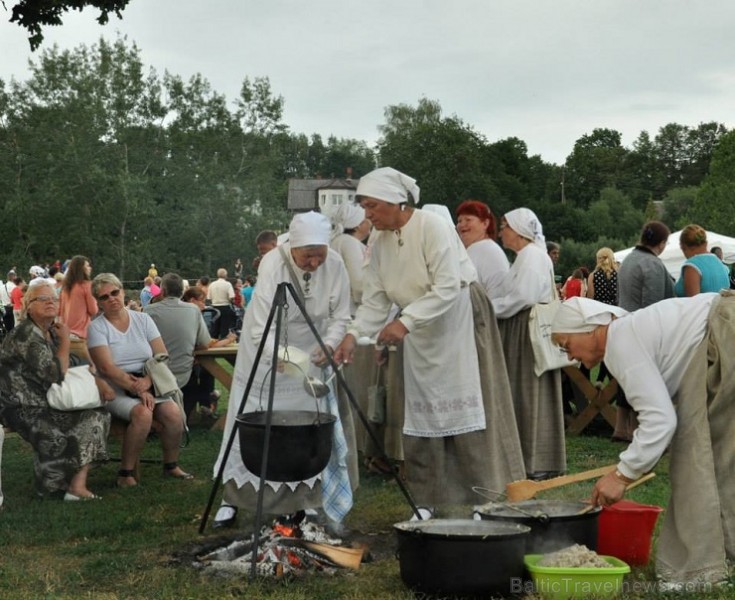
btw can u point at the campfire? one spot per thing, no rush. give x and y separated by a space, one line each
293 545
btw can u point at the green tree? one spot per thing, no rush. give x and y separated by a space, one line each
33 15
596 162
678 202
714 206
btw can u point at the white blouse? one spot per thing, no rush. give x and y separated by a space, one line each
491 263
648 352
528 282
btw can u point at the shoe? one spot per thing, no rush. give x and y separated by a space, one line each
425 512
225 517
69 497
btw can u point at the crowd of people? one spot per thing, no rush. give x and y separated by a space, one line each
435 315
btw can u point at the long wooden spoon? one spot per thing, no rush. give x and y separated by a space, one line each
527 488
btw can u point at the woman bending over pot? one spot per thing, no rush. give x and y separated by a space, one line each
676 361
318 273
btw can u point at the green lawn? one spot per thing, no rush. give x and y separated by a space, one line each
136 543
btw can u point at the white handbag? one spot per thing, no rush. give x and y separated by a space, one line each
547 356
78 391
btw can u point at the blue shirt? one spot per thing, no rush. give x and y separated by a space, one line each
714 274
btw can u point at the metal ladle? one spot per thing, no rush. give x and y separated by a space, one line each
317 388
540 516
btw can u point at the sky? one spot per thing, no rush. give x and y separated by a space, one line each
544 71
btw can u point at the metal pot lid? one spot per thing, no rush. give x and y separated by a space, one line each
552 508
462 528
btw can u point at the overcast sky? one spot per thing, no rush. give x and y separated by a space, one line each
545 71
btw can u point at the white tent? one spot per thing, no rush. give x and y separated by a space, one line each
673 257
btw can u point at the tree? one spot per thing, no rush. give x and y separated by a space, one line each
678 202
714 207
33 15
596 162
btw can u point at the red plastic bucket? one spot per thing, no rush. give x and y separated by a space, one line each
626 529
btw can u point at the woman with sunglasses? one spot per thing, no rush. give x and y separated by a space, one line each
120 342
34 356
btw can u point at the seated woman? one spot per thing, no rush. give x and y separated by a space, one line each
35 355
120 342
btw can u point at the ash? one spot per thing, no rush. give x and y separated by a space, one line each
281 551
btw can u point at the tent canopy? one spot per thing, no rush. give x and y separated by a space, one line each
673 257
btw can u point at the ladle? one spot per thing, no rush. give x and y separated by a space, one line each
540 516
317 388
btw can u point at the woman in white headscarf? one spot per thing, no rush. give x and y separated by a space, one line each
307 262
537 400
350 229
676 361
459 429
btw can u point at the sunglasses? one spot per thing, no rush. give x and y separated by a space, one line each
44 299
106 297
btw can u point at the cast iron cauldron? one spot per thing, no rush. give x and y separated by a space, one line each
460 556
563 527
300 443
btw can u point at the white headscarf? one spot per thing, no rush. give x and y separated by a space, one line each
526 224
309 229
440 210
348 216
579 315
388 185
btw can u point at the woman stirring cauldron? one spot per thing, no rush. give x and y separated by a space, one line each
309 264
676 361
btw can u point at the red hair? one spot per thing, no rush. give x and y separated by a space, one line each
481 211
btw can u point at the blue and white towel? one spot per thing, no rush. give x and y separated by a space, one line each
336 488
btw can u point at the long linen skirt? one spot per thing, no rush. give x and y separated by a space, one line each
389 433
442 471
537 400
698 532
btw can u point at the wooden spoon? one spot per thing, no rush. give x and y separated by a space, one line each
526 489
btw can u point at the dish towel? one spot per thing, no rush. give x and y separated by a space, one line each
336 489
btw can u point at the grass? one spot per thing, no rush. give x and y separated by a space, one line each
136 543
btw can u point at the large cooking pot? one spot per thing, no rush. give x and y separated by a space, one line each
300 443
460 556
554 524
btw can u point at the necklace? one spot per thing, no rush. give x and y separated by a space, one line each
307 281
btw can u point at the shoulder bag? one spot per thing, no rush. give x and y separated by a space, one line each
547 356
78 391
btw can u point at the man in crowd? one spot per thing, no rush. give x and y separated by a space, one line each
221 294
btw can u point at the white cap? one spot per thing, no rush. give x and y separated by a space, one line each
309 229
388 185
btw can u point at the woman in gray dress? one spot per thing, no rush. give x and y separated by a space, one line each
34 356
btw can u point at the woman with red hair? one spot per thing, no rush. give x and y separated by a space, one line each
477 228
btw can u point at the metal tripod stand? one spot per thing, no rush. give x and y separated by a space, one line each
278 306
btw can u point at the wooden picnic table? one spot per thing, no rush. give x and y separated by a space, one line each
211 360
598 400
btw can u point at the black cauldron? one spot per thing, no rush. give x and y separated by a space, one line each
300 443
555 524
461 556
